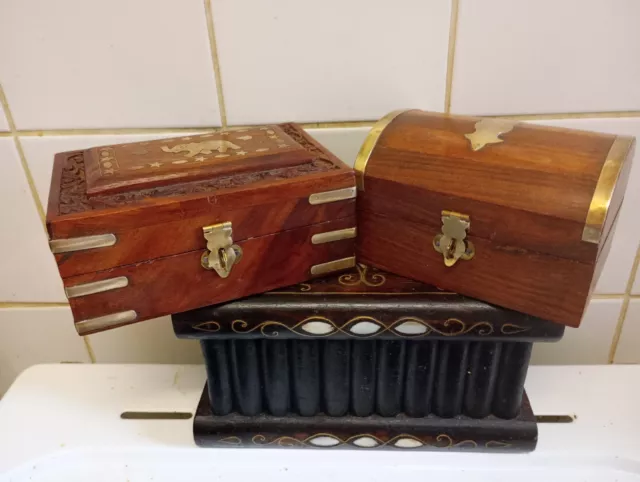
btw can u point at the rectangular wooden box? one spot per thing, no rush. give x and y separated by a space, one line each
152 228
365 359
511 213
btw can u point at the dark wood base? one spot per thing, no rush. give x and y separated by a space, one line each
489 434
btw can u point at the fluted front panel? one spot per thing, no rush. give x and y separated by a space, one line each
366 377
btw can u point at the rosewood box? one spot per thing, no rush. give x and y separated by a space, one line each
152 228
511 213
365 359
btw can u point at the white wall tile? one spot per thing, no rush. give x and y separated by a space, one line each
29 271
628 350
36 335
287 60
587 345
39 152
343 142
614 276
545 56
117 63
4 124
150 341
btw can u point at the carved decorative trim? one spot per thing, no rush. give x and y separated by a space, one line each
367 327
365 441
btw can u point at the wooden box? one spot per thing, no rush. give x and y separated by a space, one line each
152 228
365 359
511 213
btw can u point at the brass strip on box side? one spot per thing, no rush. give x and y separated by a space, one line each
605 187
96 287
79 244
105 322
369 143
331 236
333 196
331 266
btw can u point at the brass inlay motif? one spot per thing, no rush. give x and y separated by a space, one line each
451 243
203 147
594 224
368 145
233 440
369 440
488 131
70 245
364 326
107 161
221 254
331 236
96 287
106 321
350 279
331 266
333 196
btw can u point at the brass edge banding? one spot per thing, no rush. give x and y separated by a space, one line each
96 287
592 232
331 266
105 322
369 143
333 196
79 244
331 236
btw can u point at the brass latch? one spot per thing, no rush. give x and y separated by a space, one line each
221 254
451 243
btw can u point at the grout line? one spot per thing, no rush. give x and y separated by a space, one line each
571 115
124 130
90 352
23 160
215 61
31 304
608 296
336 124
625 306
306 125
453 35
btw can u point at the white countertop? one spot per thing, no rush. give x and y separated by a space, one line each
62 422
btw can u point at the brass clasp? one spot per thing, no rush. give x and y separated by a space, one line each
452 243
221 254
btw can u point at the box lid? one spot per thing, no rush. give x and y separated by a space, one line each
363 303
544 189
141 165
108 207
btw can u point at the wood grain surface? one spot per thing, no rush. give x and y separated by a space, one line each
527 195
178 283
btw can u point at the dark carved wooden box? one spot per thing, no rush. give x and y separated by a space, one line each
507 212
153 228
364 360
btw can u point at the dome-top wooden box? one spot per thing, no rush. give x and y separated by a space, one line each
511 213
152 228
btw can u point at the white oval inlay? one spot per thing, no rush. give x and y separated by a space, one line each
364 328
324 441
366 442
318 327
183 161
408 443
411 328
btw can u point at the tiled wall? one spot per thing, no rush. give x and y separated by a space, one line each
76 73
